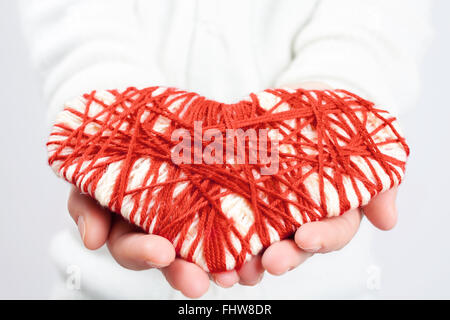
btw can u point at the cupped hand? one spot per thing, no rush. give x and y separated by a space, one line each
321 236
136 250
330 234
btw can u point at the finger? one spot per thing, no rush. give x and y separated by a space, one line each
251 272
283 256
187 277
329 234
93 220
381 210
226 279
135 250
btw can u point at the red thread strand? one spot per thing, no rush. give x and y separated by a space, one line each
339 118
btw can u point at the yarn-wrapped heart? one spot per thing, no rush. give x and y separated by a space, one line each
336 152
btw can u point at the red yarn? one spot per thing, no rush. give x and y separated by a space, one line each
340 119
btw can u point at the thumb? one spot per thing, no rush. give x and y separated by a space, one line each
381 210
93 220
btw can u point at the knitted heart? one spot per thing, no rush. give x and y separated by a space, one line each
336 152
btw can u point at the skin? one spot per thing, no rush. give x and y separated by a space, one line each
135 250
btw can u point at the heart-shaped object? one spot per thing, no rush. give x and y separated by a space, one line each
335 152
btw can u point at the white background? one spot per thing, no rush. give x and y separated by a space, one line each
414 257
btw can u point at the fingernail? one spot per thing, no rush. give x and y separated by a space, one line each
258 280
260 277
223 285
220 284
154 265
311 249
81 227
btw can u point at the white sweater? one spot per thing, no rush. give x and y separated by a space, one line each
225 50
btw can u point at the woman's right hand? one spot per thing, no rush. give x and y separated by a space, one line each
136 250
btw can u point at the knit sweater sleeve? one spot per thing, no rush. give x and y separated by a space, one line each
78 45
370 47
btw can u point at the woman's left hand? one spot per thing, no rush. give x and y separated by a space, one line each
314 237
